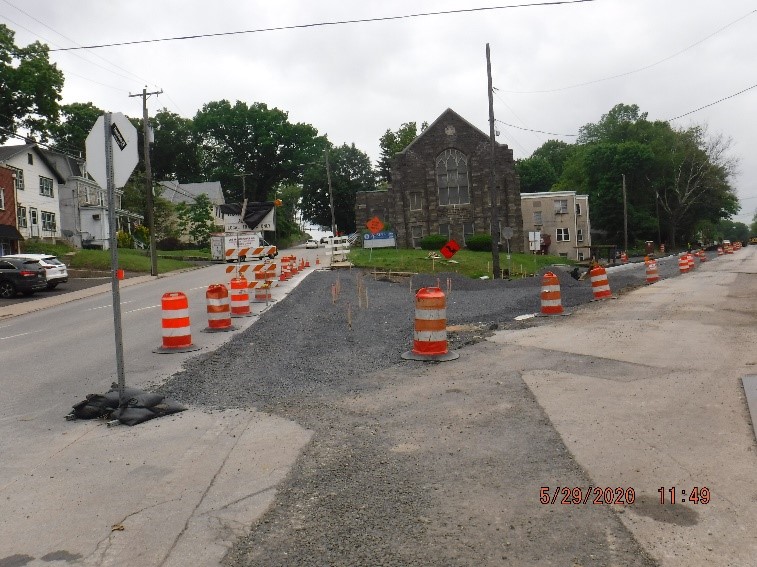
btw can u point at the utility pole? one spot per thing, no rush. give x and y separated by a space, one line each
331 194
625 216
492 180
148 180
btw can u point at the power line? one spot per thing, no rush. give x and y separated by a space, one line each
324 24
644 68
537 131
712 103
74 42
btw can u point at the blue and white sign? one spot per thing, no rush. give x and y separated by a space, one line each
379 240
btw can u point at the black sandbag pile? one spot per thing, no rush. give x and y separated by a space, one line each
140 406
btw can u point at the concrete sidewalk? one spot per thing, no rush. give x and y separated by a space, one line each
173 491
647 394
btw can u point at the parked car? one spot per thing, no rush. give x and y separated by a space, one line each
20 275
56 271
311 244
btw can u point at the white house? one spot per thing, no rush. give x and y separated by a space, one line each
84 205
36 188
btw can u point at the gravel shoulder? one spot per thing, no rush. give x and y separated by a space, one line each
410 463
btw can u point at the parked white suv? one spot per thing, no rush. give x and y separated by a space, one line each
55 270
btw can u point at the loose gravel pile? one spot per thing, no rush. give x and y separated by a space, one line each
328 357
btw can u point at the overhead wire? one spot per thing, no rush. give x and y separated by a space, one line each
640 69
325 24
32 17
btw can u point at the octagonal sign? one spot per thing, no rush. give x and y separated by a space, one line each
123 139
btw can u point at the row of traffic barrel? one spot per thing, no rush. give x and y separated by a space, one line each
223 303
430 326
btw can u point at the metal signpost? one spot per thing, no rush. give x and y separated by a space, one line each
508 233
111 157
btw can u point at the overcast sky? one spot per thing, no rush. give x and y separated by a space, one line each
555 68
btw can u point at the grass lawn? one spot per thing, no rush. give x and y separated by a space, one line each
128 259
471 264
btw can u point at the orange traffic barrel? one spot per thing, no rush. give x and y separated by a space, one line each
652 273
624 258
240 298
177 335
600 287
683 263
430 333
551 301
263 292
219 309
690 260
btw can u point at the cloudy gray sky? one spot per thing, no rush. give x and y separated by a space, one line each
555 68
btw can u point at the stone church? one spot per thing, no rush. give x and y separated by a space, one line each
440 185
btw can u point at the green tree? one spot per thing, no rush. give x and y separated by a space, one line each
556 153
196 219
394 142
675 178
351 172
175 152
536 174
70 133
733 231
753 226
134 200
30 87
286 214
255 141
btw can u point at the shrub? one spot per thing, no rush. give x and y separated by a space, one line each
479 242
169 244
124 239
433 242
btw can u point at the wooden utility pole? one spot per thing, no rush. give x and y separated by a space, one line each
148 180
492 180
331 194
625 216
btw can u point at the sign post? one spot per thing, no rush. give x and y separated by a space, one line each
375 226
111 157
508 232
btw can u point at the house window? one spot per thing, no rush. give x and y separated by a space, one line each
30 159
101 198
452 178
579 234
48 221
563 235
2 199
416 201
21 214
416 233
444 229
561 206
45 186
19 180
581 256
467 231
578 209
537 218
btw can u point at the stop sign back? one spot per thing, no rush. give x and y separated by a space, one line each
123 139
